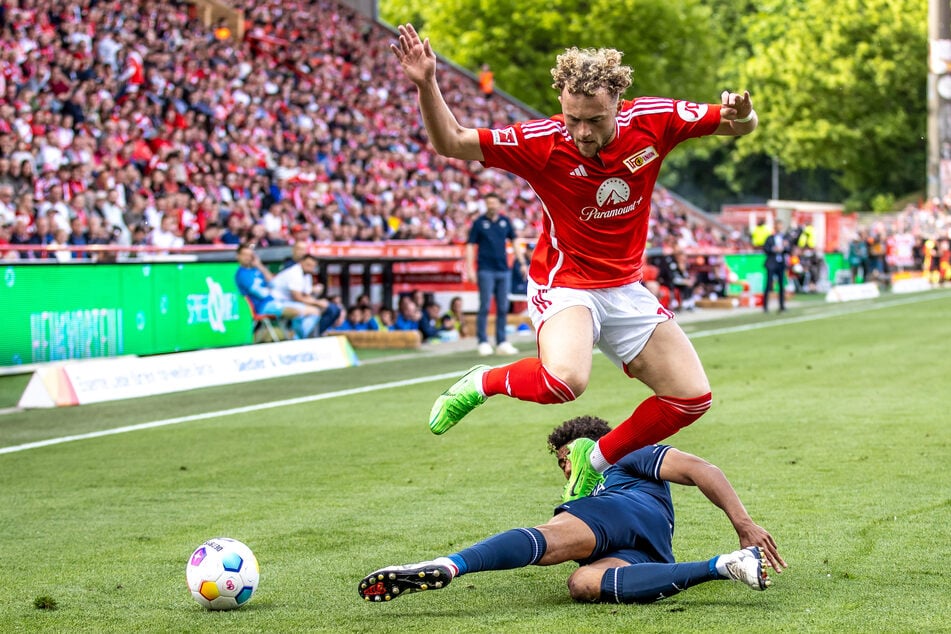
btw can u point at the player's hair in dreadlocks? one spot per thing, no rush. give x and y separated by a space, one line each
580 427
584 71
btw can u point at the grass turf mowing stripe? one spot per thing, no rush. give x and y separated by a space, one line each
226 412
825 314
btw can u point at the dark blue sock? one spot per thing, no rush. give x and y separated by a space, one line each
646 583
516 548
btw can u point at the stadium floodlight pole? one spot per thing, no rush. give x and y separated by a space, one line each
939 98
775 178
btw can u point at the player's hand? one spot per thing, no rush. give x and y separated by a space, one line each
756 535
735 106
416 56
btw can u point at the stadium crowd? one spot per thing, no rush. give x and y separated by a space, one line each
918 238
133 123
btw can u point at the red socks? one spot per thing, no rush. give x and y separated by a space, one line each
655 419
527 380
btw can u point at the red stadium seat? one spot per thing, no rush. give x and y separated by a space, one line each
276 333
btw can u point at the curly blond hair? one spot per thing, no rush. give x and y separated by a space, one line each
584 71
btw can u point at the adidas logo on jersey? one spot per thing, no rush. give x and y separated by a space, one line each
579 171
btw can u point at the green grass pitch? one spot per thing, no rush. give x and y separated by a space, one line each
831 421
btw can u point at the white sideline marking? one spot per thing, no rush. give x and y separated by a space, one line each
846 310
225 412
426 379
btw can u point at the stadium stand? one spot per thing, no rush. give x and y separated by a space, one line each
138 111
292 123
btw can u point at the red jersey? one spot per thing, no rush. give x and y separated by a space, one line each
134 69
596 210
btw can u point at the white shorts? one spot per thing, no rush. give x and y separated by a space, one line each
624 316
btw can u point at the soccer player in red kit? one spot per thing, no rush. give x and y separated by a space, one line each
593 167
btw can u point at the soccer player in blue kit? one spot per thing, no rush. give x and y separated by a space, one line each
621 534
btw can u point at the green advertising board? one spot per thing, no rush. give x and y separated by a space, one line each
751 268
79 311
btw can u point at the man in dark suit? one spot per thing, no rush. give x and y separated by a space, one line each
776 248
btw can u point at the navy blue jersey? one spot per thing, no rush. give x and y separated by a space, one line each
491 236
639 472
631 514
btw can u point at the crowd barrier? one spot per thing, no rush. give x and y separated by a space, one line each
84 311
110 301
100 380
153 302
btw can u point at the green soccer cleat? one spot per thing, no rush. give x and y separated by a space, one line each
460 399
584 478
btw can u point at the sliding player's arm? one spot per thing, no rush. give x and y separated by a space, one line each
689 470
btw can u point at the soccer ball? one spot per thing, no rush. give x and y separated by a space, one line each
222 574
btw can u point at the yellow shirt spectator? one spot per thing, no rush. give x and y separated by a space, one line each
807 239
759 234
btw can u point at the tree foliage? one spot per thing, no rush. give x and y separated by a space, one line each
669 44
840 87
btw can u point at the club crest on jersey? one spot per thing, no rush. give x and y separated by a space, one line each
690 111
505 136
636 161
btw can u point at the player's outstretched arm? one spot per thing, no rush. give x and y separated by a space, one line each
684 468
419 64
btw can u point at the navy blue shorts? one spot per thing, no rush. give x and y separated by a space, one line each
627 525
